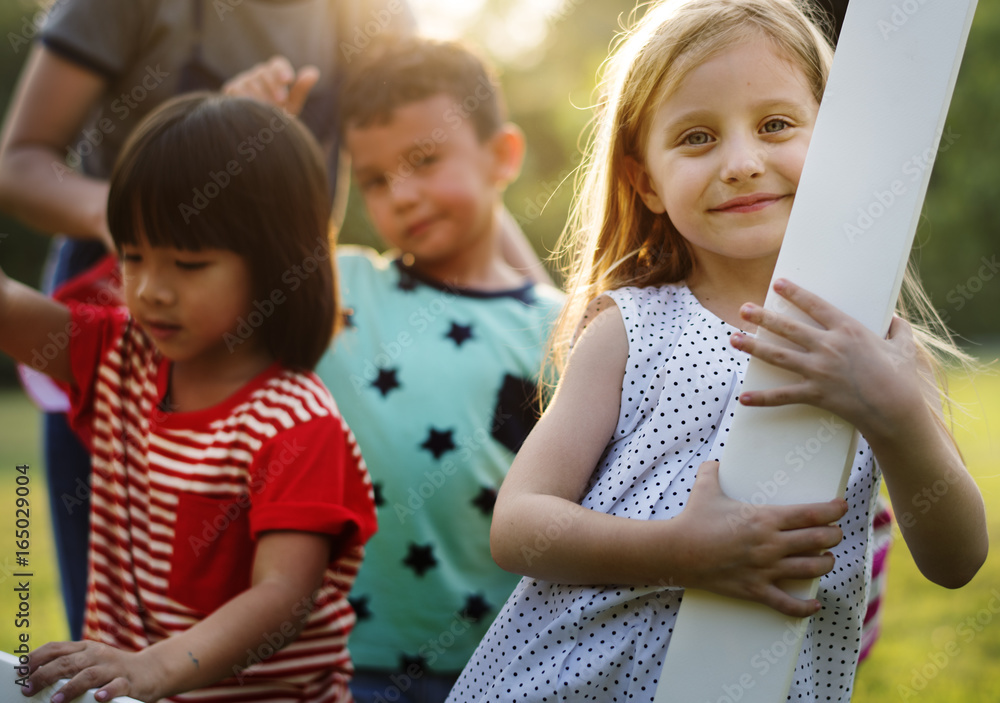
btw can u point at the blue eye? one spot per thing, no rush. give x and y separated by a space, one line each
697 139
773 126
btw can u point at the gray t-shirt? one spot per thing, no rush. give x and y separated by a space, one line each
152 50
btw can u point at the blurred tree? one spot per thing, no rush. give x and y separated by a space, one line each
958 241
550 87
22 250
958 250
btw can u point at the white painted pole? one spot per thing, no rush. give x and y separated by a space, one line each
848 240
11 693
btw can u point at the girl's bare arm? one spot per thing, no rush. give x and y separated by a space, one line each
885 388
34 329
288 568
718 544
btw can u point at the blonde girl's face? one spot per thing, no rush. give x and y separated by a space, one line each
725 152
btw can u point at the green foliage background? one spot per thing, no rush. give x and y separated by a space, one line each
930 651
548 92
549 89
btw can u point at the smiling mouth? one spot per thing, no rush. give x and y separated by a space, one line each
749 203
419 228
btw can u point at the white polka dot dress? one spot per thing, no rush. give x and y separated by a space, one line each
553 642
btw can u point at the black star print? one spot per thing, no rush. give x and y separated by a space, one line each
417 663
460 333
360 606
406 281
485 500
475 608
516 411
348 319
420 559
379 498
437 443
386 381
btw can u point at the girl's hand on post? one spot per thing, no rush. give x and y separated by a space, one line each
742 550
276 82
846 369
88 665
886 389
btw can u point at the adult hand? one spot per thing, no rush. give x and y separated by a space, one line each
275 81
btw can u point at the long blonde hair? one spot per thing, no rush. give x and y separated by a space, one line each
611 238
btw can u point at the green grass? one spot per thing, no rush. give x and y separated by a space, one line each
20 444
929 650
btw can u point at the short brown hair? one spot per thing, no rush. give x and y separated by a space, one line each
208 171
413 69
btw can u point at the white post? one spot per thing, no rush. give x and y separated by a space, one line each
11 693
848 240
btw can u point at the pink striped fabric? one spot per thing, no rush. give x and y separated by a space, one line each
881 542
179 498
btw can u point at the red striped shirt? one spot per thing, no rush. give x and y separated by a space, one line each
178 500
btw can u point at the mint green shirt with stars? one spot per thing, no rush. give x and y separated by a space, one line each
437 384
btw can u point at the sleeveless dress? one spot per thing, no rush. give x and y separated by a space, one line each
553 642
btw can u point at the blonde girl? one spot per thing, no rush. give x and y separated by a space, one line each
613 506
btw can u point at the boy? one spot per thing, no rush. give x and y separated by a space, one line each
436 368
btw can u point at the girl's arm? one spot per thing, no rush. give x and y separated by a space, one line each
288 568
885 388
51 103
717 544
35 330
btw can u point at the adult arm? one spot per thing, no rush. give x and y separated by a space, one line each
51 103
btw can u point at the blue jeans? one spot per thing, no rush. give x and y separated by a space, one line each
67 468
377 686
67 463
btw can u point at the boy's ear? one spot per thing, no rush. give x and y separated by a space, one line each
643 185
507 147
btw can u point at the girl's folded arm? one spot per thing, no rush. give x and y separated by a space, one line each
34 329
540 530
885 388
288 568
938 506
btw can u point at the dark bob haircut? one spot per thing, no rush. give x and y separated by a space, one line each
204 171
412 69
